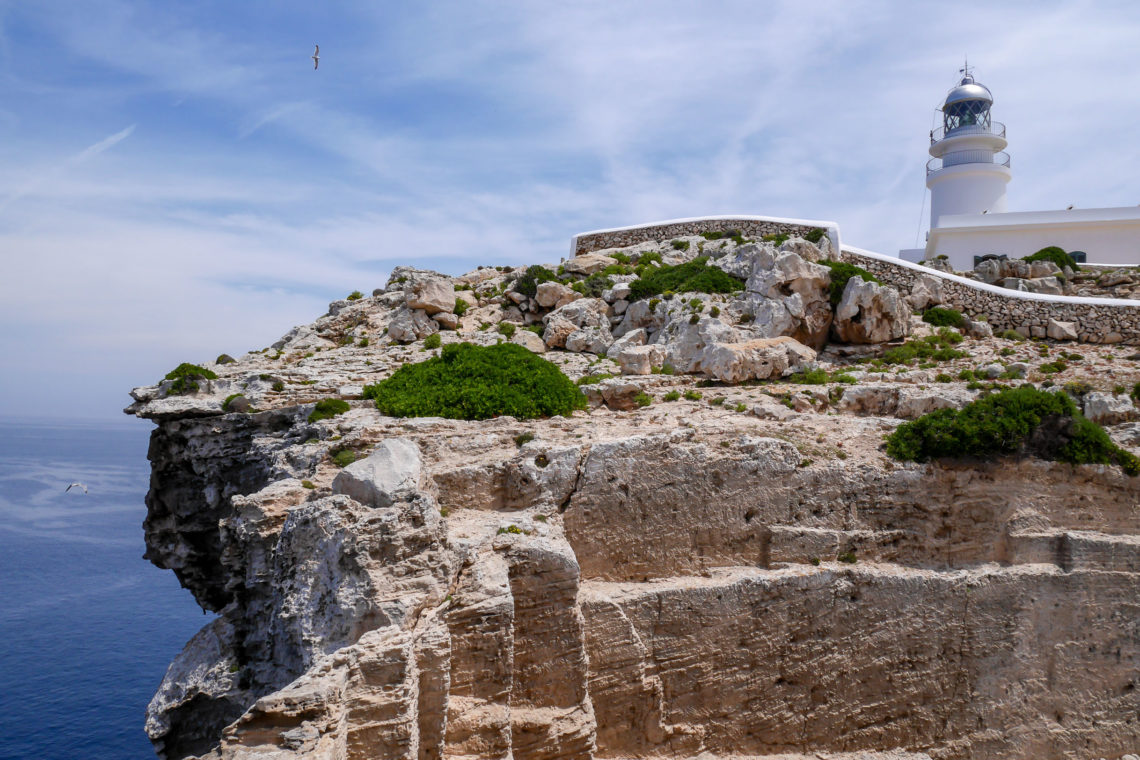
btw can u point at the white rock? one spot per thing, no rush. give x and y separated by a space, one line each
870 313
637 337
592 340
639 360
529 341
407 325
588 263
755 359
446 320
433 295
389 473
1061 330
554 295
1109 408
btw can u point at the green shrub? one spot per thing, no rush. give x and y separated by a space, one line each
621 258
672 396
307 484
967 374
363 343
776 238
719 400
691 395
712 235
664 369
679 245
695 276
843 377
942 377
643 399
355 295
327 408
694 319
524 438
470 382
1056 255
714 312
461 307
277 386
343 457
841 272
741 407
848 557
433 341
1011 335
224 359
815 235
1011 421
1052 368
653 257
932 347
940 317
230 399
535 275
653 304
507 329
186 377
593 286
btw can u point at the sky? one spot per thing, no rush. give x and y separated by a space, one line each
176 181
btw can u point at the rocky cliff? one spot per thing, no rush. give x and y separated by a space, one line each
737 571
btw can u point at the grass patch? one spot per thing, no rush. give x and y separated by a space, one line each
507 329
691 395
1011 421
937 348
344 457
591 379
643 399
679 245
672 396
469 382
433 341
327 408
841 272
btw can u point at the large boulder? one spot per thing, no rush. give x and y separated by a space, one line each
408 325
432 295
1058 330
387 475
788 296
588 263
640 360
553 295
870 313
926 292
580 315
685 341
757 359
529 341
1109 408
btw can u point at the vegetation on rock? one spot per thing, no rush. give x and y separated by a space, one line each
186 377
535 275
1012 421
942 317
471 382
328 408
695 276
1055 254
841 272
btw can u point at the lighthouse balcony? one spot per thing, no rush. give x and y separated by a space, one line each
989 128
960 157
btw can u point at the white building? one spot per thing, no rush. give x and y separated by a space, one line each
967 177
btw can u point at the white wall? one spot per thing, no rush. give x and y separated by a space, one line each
967 189
1106 240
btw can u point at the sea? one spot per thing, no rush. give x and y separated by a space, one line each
87 627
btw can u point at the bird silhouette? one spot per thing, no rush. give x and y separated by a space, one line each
316 57
1070 208
76 485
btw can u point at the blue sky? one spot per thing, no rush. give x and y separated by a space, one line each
176 181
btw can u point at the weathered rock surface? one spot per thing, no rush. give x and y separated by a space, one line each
870 313
733 570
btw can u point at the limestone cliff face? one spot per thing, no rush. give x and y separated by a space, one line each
733 578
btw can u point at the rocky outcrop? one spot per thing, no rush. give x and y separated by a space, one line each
870 313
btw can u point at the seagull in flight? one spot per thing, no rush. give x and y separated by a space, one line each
76 485
316 57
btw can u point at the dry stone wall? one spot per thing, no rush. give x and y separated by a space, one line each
749 226
1097 320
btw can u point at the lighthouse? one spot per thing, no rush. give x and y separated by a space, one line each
969 169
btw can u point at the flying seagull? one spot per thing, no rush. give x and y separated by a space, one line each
316 57
76 485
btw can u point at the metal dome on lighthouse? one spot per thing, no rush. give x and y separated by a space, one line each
969 169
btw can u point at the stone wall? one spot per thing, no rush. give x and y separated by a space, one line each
749 226
1097 320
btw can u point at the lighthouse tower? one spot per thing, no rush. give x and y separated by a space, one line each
969 171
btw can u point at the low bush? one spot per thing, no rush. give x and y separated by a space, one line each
653 257
524 438
471 382
461 307
679 245
344 457
841 272
535 275
594 285
643 399
815 235
433 341
327 408
712 235
940 317
1056 255
809 377
933 347
672 396
695 276
186 377
591 379
1011 421
691 395
848 558
224 359
507 329
776 238
355 295
621 258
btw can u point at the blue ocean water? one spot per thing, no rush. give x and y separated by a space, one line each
87 627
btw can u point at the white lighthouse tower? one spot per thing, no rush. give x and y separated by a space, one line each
969 171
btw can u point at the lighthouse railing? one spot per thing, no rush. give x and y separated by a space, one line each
993 128
961 157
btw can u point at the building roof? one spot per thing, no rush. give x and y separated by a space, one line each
968 89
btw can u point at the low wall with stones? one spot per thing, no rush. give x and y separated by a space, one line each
749 226
1097 320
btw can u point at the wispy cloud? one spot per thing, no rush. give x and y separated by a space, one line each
45 175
